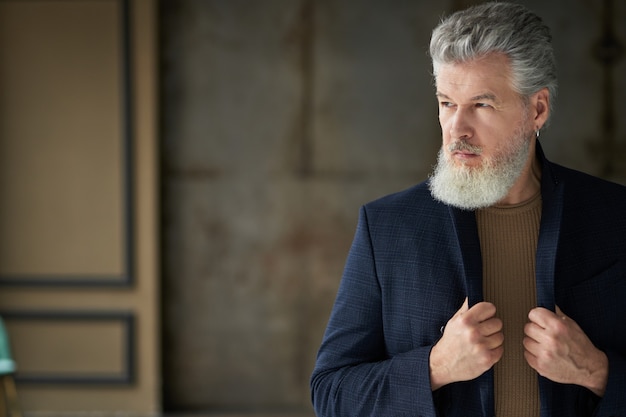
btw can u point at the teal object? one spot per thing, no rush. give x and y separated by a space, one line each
7 364
7 369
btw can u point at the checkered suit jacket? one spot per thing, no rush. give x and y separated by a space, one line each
412 263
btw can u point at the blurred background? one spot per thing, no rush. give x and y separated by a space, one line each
180 182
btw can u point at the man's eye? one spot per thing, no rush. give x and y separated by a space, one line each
482 105
445 104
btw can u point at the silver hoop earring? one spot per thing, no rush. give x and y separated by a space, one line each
537 133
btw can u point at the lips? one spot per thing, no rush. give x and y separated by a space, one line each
465 154
464 149
465 157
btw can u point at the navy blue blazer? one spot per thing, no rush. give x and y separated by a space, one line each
412 263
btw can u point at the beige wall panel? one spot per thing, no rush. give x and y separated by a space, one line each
61 156
69 348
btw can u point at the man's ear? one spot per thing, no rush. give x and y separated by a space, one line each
540 105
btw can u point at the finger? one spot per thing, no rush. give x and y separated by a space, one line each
532 330
491 326
482 311
495 341
531 345
540 316
560 313
497 354
531 360
532 351
536 333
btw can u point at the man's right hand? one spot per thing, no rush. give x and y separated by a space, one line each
472 343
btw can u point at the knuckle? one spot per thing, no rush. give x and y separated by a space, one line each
560 327
552 346
545 358
465 320
473 336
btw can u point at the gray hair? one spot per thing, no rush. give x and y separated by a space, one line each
506 28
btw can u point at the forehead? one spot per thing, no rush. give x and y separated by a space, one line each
489 76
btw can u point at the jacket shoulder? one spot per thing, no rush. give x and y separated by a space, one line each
411 209
588 188
410 198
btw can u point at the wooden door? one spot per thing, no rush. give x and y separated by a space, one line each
78 211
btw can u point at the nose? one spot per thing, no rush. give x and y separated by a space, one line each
460 127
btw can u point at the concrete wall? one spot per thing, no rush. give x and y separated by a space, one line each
280 118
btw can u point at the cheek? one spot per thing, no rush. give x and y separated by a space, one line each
446 137
443 122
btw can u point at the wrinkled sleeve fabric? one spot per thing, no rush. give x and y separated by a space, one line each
354 374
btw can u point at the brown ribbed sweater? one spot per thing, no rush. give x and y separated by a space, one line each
508 242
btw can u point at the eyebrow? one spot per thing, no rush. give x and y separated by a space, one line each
480 97
486 96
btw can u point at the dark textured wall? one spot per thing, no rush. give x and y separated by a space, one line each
279 119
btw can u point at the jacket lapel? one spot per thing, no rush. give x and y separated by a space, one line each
549 231
469 245
552 208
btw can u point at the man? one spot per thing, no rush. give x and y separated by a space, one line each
498 287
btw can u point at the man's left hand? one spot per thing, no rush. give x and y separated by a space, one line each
557 348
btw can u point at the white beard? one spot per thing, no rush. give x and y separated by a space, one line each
472 188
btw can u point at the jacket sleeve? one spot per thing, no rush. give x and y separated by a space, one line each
613 404
354 374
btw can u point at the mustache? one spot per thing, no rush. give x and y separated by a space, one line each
460 145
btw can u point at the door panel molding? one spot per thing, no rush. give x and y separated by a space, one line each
33 333
123 274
